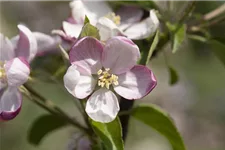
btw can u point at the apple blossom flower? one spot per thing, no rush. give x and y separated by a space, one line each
127 21
45 43
98 70
14 70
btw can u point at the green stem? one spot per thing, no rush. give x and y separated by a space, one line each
51 107
82 110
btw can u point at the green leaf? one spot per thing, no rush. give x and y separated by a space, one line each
146 53
173 75
89 30
144 4
197 38
219 49
86 20
178 38
109 133
44 125
153 47
154 117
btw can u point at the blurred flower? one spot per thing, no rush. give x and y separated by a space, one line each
79 142
110 66
45 43
127 21
14 70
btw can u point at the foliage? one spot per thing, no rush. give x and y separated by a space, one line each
108 136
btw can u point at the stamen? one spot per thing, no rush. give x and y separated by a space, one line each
99 72
115 18
2 72
106 79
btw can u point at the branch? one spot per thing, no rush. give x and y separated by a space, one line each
219 10
49 106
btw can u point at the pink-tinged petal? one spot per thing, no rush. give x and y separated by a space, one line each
120 54
145 27
129 14
136 83
107 28
27 44
71 79
46 43
87 53
72 30
17 71
10 103
6 49
102 106
63 35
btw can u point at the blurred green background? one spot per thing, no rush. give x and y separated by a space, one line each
196 102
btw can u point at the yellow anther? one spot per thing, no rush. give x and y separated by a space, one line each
106 79
115 18
116 83
99 72
2 71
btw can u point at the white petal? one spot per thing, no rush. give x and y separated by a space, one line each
85 86
143 29
6 49
72 30
71 78
129 15
102 106
93 9
17 71
79 82
154 18
78 10
107 28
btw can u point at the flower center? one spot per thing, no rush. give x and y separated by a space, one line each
115 18
106 79
2 72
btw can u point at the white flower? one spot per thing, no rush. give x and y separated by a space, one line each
14 70
127 21
108 68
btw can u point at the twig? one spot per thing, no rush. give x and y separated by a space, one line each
208 24
219 10
51 107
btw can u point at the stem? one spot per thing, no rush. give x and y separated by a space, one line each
208 24
216 12
82 104
51 107
209 16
